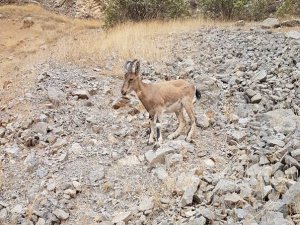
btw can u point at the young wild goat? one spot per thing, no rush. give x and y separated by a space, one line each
163 97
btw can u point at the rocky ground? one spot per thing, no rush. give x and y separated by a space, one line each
75 159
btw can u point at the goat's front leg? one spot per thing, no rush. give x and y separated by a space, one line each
152 130
158 130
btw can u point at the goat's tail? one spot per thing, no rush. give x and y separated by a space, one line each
198 94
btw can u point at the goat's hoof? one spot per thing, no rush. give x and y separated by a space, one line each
150 142
156 145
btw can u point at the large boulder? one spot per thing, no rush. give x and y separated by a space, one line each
270 23
282 120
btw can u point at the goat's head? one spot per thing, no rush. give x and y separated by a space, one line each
131 77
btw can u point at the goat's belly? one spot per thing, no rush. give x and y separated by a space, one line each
173 107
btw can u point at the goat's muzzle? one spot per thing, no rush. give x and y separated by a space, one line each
123 92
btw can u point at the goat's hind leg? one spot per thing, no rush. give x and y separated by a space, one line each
158 130
151 139
181 125
188 105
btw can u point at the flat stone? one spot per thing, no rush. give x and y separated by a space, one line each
250 93
293 35
197 221
282 120
61 214
270 23
41 128
122 217
3 214
274 218
146 203
41 221
76 149
224 186
13 150
256 98
296 154
275 142
18 209
81 94
232 199
130 160
56 96
161 173
260 76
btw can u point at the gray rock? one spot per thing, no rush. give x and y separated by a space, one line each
18 209
291 195
130 160
60 142
158 156
224 186
41 221
76 149
122 217
3 214
291 172
293 35
13 150
30 161
237 136
203 121
275 142
250 93
282 120
61 214
232 199
146 203
256 98
81 94
206 212
291 161
173 159
197 221
296 154
274 218
270 23
188 184
260 76
41 128
56 96
161 173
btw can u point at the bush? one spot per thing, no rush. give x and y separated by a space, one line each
118 11
289 7
247 9
225 9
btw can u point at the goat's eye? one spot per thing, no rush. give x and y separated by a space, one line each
130 80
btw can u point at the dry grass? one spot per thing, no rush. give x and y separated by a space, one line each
146 40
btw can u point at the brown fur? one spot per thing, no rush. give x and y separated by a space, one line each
163 97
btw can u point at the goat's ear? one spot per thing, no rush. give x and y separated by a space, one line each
137 68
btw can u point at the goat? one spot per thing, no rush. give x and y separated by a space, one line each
163 97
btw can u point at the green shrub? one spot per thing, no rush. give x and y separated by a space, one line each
225 9
289 7
118 11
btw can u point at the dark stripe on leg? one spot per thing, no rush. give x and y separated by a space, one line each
158 132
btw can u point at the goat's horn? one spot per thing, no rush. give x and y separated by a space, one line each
131 65
126 65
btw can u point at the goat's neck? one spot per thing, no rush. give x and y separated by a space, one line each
140 88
